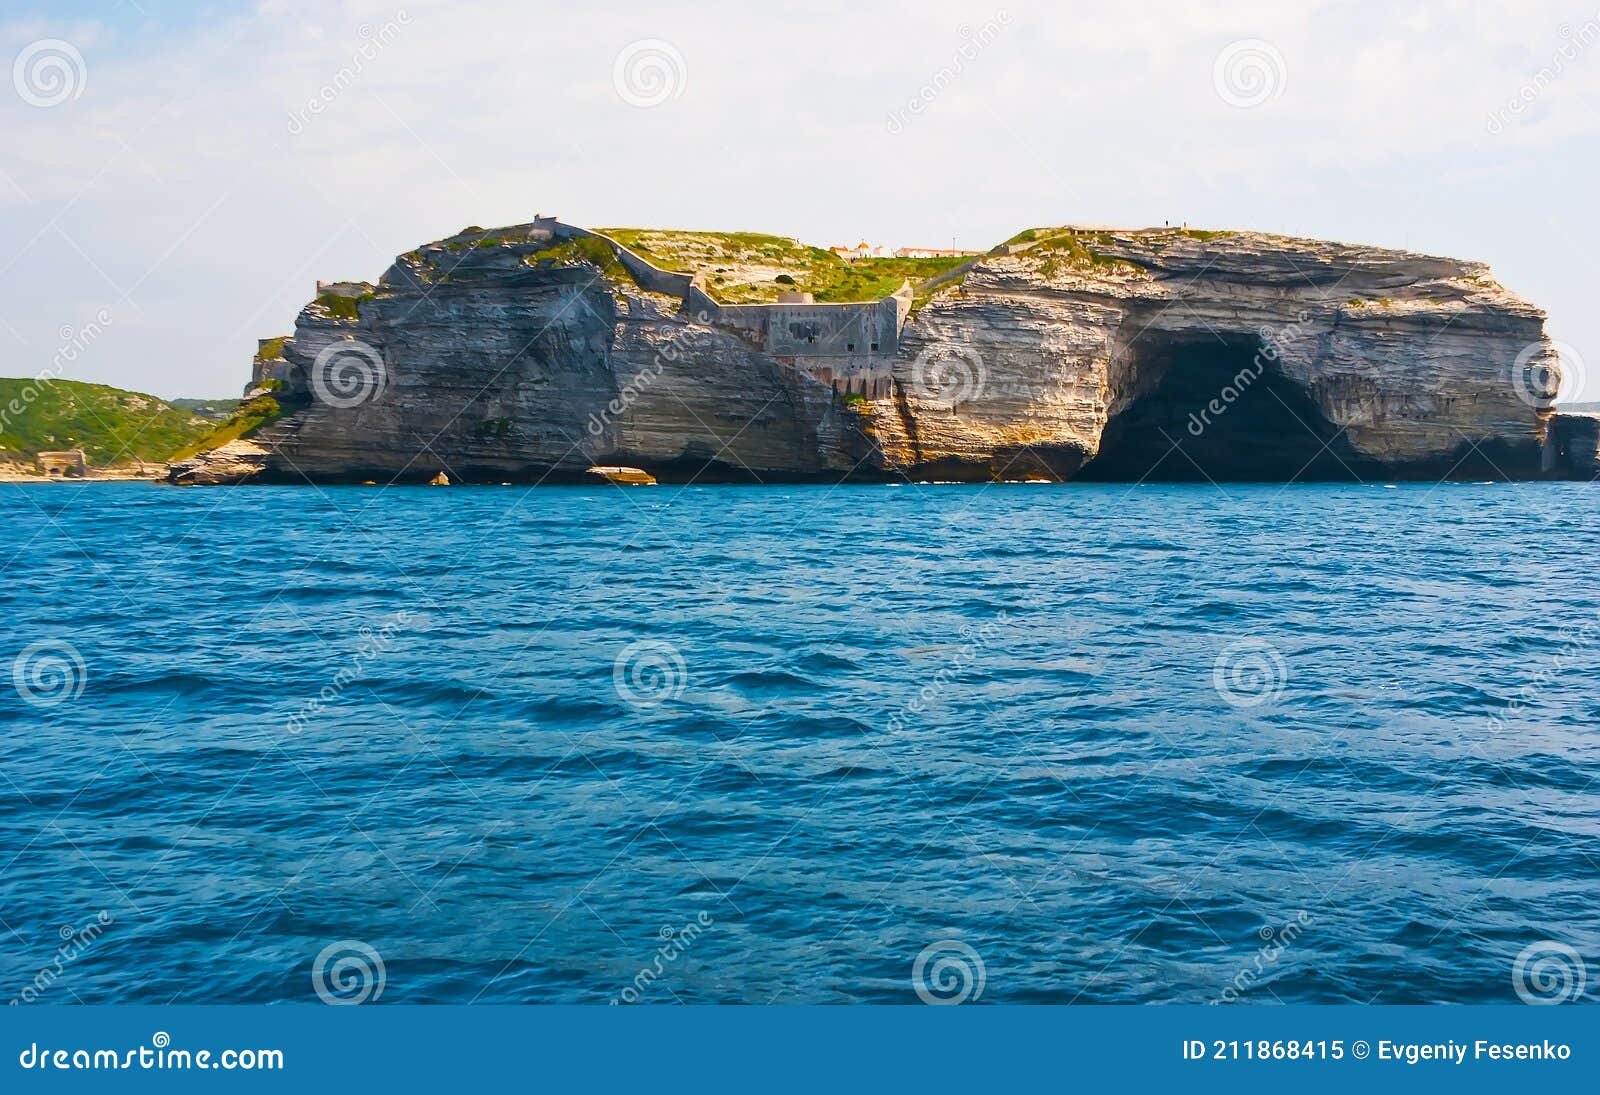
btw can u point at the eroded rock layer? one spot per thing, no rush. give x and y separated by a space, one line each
536 352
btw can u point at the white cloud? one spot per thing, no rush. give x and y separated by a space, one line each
175 192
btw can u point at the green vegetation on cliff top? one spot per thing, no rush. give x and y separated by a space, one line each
744 267
1029 235
581 249
1076 250
671 249
271 348
110 425
343 307
754 267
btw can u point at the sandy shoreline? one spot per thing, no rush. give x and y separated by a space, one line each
104 475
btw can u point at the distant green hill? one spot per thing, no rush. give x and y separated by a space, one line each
110 425
218 410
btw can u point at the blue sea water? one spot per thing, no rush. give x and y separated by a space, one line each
1097 743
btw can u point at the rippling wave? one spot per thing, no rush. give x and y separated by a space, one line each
1095 744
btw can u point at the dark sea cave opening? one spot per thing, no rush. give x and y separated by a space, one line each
1204 407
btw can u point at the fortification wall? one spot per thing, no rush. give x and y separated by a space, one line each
851 347
672 283
956 273
348 289
263 371
68 464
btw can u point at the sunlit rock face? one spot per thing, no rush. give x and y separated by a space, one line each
1240 356
531 354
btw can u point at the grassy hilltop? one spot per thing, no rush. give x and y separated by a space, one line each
110 425
751 267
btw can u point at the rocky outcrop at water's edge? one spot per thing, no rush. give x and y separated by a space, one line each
537 352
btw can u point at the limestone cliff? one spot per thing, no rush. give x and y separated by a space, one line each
1574 445
532 353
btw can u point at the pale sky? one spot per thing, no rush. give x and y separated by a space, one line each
161 165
